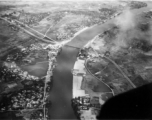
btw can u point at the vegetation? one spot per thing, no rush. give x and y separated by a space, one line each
137 4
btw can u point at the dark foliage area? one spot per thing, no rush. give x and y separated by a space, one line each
137 4
107 11
141 44
144 27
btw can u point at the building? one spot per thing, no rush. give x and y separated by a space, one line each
11 85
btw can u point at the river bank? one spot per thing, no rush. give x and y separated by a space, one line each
81 79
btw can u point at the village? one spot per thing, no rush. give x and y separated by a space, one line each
26 91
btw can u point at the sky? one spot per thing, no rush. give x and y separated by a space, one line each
36 1
70 0
58 0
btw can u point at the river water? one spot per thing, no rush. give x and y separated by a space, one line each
61 92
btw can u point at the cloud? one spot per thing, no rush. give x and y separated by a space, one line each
126 20
134 32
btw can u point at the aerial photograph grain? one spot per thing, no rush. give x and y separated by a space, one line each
75 59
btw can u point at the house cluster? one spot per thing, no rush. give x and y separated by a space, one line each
137 4
86 108
31 96
48 77
20 55
81 100
11 66
148 14
26 18
27 98
37 115
12 76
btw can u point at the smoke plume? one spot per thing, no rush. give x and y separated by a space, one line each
134 32
126 21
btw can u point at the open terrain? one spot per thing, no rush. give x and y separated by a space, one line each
118 53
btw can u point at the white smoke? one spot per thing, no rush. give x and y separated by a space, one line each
126 21
128 24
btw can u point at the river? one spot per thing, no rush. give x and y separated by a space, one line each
61 92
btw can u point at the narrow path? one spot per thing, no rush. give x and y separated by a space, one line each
36 63
125 76
48 31
22 110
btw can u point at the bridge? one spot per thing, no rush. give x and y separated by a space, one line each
72 46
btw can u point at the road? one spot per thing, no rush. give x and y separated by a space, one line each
44 40
35 31
125 76
104 84
117 66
